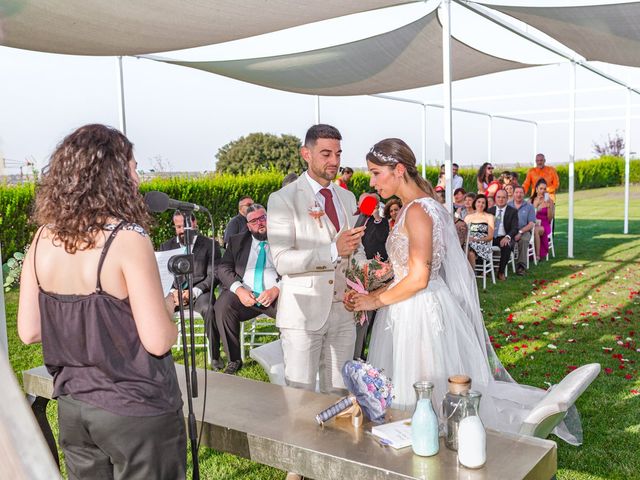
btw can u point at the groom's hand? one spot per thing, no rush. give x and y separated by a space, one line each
349 240
348 300
245 297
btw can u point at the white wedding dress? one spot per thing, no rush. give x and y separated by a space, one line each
439 332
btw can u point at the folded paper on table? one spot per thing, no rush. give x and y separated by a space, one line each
395 434
166 277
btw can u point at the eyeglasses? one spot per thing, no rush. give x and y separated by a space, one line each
256 221
489 168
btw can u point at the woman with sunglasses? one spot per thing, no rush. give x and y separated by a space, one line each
484 177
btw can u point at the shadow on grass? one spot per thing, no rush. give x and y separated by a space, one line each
580 307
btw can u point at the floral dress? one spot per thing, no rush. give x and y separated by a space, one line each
482 249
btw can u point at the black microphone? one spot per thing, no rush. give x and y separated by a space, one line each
159 202
366 208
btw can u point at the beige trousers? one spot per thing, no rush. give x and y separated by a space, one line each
321 353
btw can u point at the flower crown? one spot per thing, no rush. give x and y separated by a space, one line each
388 159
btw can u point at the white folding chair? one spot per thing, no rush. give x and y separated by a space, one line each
496 260
551 250
551 410
482 266
531 249
271 358
200 332
250 332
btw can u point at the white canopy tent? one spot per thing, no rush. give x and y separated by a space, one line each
421 53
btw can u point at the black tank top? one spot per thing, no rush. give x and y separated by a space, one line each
92 349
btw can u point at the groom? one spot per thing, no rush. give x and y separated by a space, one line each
311 250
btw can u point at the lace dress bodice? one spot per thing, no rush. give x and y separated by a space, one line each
398 241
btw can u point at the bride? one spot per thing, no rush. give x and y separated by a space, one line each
429 324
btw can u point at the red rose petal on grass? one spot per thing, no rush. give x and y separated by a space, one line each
608 371
510 318
628 376
635 392
571 368
621 367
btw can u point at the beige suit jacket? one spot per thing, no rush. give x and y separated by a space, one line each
301 251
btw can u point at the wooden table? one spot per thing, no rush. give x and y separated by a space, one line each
276 426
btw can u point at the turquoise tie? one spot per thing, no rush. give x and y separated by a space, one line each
258 276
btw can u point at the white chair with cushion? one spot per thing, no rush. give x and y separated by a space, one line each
496 260
482 266
270 357
552 409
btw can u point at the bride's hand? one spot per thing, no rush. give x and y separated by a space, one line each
364 303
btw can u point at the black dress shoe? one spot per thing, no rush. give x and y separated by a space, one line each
217 364
520 270
233 367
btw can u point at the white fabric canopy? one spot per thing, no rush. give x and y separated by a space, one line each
606 33
130 27
405 58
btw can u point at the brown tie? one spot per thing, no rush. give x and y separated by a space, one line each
330 208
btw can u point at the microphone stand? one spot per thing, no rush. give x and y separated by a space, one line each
181 266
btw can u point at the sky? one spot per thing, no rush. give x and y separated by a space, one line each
183 116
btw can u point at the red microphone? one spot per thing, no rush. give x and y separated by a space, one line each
366 208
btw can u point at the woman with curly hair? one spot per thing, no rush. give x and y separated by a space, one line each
90 292
484 177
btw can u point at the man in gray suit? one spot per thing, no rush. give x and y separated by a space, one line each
312 238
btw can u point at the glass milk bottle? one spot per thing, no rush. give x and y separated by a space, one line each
424 423
472 438
458 386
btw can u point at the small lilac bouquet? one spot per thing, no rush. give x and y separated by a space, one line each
370 391
367 277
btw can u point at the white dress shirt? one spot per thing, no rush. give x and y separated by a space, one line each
270 275
316 187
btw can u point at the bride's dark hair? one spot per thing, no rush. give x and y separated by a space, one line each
392 151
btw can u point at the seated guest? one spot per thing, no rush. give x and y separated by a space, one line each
509 189
514 178
343 180
238 224
249 284
458 198
526 223
204 280
484 177
440 192
505 230
480 225
467 206
289 178
545 210
391 210
490 202
456 180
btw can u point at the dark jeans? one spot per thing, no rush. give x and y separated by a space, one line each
230 312
99 445
202 306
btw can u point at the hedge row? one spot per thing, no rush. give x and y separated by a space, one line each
221 193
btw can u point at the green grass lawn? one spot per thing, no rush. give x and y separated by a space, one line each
587 307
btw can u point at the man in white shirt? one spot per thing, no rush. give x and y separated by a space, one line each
249 281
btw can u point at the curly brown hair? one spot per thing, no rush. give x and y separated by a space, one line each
86 184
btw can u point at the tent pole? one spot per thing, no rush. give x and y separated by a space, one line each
572 153
122 116
4 342
490 139
627 160
424 141
535 140
446 83
317 113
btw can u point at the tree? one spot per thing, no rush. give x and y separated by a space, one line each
261 152
612 147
